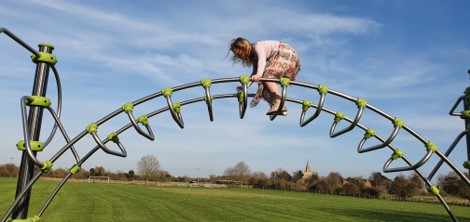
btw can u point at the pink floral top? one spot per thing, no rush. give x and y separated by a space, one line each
263 51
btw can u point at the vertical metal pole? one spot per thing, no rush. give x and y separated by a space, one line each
466 105
34 120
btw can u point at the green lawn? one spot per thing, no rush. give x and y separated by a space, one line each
118 202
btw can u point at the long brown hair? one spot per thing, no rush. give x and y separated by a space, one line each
242 51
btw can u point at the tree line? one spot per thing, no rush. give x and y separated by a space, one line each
148 169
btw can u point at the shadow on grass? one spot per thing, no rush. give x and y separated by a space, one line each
370 215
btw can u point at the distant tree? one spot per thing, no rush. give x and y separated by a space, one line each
351 189
130 175
452 184
335 182
9 170
403 187
297 175
100 171
148 167
92 172
259 180
241 171
380 182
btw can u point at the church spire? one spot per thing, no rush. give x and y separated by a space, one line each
307 168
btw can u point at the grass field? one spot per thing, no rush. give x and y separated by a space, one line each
121 202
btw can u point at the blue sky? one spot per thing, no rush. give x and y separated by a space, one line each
407 58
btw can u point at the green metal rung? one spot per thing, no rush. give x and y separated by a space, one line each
322 89
398 122
284 81
113 137
466 164
167 91
206 83
92 128
361 103
47 165
35 145
143 119
434 190
38 101
306 105
465 114
44 57
431 146
245 79
397 154
32 219
127 107
75 169
339 116
369 133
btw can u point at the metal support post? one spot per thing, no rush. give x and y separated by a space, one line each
466 104
34 121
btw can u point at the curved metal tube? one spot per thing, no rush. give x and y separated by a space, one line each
315 115
59 105
347 129
387 142
176 115
412 167
281 105
149 134
102 145
19 41
449 150
26 136
209 103
64 133
452 110
243 103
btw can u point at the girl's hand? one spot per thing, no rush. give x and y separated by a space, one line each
240 88
255 78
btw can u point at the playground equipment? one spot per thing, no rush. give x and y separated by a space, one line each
38 102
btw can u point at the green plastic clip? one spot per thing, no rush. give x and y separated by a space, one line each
306 105
75 169
212 98
144 120
167 91
38 101
245 79
206 83
465 114
398 122
361 103
397 154
44 57
284 81
46 166
113 137
35 145
339 116
127 107
466 164
431 146
92 128
241 97
467 96
434 190
177 107
322 89
369 133
35 218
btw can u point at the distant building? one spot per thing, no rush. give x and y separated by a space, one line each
308 174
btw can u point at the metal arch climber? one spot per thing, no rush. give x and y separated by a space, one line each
44 59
